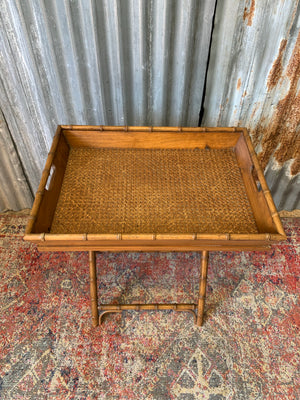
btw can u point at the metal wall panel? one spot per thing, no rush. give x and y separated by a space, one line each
253 81
14 191
112 62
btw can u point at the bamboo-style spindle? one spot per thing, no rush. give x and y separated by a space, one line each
202 288
115 308
93 288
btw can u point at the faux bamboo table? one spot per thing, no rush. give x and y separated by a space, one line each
108 188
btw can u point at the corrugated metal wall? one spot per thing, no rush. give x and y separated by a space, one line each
129 62
253 81
14 190
143 62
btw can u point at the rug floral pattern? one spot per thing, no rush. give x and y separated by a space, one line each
248 347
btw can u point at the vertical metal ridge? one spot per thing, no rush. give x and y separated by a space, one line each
42 57
82 22
64 49
158 60
14 102
103 68
137 65
181 52
113 28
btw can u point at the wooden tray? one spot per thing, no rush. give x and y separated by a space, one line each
108 188
152 189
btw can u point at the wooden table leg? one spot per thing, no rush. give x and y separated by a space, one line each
202 287
93 288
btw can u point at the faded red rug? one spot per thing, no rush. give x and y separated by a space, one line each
248 347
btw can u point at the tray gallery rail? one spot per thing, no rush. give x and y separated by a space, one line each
112 188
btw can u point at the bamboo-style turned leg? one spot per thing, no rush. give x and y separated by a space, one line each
93 288
202 287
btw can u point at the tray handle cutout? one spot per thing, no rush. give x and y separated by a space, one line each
255 178
50 179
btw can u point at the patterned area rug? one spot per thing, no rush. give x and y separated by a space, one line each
248 347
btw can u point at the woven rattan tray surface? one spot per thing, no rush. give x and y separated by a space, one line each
111 190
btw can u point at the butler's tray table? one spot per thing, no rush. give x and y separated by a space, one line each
112 188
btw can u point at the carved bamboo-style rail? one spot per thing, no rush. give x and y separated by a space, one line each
114 308
148 128
152 237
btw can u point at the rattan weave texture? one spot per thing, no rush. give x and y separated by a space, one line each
110 190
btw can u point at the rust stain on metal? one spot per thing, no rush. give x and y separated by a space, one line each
249 13
239 82
276 71
283 133
256 107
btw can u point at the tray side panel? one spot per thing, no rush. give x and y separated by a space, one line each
151 140
254 190
50 196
